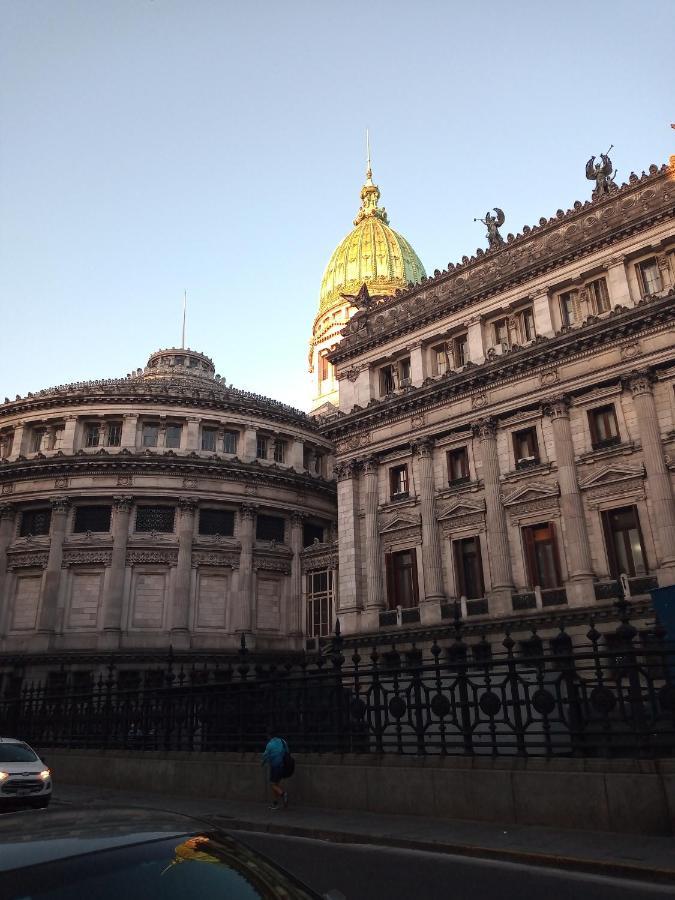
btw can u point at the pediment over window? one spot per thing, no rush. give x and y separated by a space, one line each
529 492
399 522
611 475
461 508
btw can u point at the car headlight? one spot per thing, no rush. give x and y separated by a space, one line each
44 774
4 775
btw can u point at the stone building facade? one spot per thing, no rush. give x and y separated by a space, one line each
164 508
525 468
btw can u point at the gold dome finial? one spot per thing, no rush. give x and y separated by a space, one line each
370 194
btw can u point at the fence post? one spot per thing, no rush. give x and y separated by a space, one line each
514 685
457 653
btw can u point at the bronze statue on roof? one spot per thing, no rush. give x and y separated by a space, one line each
602 174
493 224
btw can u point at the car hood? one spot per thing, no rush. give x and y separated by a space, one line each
17 768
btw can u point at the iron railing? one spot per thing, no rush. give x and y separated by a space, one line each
609 693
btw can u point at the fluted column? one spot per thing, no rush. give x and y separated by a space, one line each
431 545
374 582
349 546
114 594
576 543
245 576
7 519
497 534
658 477
52 577
180 619
295 612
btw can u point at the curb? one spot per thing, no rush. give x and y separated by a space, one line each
546 860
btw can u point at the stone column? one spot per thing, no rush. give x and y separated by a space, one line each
68 437
295 456
7 520
497 534
180 618
576 543
541 309
660 491
192 437
431 545
295 613
114 593
52 576
375 600
474 330
417 373
349 546
17 445
250 444
617 282
243 618
129 427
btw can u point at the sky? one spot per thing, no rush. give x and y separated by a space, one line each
149 147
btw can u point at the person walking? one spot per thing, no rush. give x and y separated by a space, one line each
275 756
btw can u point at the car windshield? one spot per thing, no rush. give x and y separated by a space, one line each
16 753
171 869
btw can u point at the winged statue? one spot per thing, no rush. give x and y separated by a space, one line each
601 173
493 224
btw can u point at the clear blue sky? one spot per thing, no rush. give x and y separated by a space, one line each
151 145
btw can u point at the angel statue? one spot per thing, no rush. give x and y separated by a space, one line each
493 223
601 174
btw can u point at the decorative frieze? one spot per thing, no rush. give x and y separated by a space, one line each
159 557
7 488
86 558
218 558
27 560
268 564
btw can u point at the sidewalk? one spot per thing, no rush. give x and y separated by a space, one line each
645 858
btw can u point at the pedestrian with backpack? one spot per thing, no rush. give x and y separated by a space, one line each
281 765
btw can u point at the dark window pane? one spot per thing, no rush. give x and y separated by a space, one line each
269 528
209 438
458 465
92 518
309 532
216 521
230 442
155 518
150 434
35 521
173 435
114 434
261 448
399 481
92 436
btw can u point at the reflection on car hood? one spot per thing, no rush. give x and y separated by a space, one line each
15 768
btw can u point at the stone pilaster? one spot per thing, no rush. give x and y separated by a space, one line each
349 546
192 437
129 428
243 619
375 600
180 618
658 478
474 330
114 593
249 449
52 576
497 534
19 439
617 282
7 523
431 544
295 611
576 543
541 310
295 455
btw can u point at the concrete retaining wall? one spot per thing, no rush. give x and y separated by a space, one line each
635 796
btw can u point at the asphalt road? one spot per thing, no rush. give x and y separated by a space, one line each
374 873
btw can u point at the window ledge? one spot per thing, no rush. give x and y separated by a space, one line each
407 502
540 468
458 487
607 452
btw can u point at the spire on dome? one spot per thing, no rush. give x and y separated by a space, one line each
370 194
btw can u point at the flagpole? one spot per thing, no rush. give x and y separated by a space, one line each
182 343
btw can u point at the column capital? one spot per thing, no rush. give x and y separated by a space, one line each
485 429
616 260
297 518
248 511
60 504
422 447
557 407
639 381
123 504
7 511
346 470
370 465
129 415
188 504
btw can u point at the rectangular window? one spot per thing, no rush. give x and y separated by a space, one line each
404 372
525 448
460 350
35 521
114 434
439 359
216 521
209 436
458 465
310 532
599 296
173 436
155 518
650 277
261 448
623 538
527 325
92 518
568 313
320 598
604 428
230 442
402 579
279 450
500 330
318 463
150 434
325 368
469 568
398 480
92 434
387 382
541 556
270 528
36 439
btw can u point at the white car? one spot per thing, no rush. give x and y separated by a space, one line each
24 777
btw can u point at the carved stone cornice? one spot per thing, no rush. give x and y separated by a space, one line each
485 429
188 505
557 407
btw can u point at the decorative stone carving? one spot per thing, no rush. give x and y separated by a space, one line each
251 489
248 511
297 519
630 351
7 511
218 558
27 560
86 558
272 565
417 421
639 382
124 504
60 504
8 488
125 480
557 407
423 447
533 492
610 475
478 401
188 504
160 557
549 378
485 429
190 483
61 482
319 561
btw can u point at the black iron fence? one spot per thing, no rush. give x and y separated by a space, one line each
610 693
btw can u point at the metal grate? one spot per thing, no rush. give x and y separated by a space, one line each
35 521
155 518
